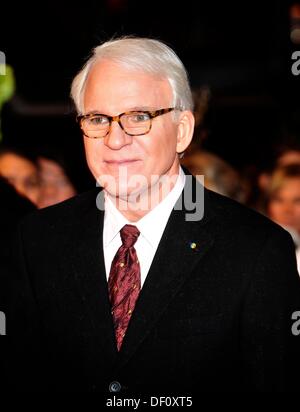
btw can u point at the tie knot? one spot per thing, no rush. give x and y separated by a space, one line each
129 235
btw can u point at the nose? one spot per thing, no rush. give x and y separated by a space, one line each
116 137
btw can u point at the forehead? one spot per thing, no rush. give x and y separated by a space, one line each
12 163
112 89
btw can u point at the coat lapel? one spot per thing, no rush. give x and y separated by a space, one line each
89 272
181 248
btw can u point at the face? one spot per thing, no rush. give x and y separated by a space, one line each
55 185
22 174
284 208
118 159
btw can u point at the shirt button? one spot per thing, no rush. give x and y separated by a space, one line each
115 386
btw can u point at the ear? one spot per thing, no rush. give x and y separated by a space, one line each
185 130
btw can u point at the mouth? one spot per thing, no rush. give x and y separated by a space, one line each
123 162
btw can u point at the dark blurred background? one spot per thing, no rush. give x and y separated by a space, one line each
241 52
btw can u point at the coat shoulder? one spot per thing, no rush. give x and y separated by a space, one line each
233 217
65 213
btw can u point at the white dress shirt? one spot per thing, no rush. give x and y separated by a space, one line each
151 227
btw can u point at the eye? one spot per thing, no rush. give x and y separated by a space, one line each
138 117
31 182
97 120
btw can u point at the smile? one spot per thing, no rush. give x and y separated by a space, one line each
124 162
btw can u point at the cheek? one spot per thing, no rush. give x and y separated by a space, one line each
93 152
297 211
161 149
274 210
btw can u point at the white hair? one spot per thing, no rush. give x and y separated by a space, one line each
141 54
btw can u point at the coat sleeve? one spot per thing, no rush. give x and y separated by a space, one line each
270 350
23 361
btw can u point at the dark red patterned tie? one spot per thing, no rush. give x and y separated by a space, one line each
124 283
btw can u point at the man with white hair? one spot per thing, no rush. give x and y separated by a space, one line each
130 291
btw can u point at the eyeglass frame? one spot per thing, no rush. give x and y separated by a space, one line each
151 113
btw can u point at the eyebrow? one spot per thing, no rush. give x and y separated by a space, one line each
131 109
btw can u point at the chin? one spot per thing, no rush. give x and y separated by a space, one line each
125 191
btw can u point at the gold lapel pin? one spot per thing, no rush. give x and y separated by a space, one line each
193 246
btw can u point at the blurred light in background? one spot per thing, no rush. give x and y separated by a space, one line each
295 23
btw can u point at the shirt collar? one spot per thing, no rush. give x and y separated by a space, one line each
113 221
